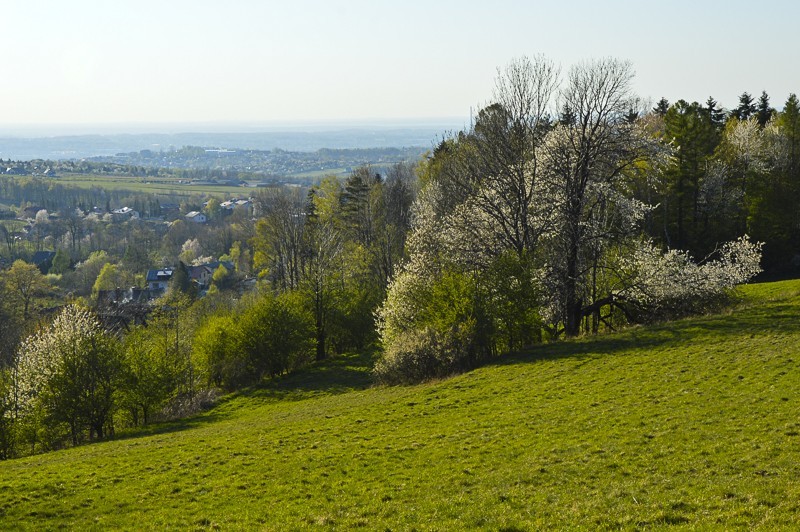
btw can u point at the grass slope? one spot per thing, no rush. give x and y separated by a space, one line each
693 423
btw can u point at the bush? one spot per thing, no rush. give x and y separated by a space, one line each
427 354
271 336
430 329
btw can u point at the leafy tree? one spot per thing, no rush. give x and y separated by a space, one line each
61 262
219 359
276 334
213 209
86 272
23 284
111 277
150 375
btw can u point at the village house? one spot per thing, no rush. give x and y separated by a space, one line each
157 280
196 217
125 213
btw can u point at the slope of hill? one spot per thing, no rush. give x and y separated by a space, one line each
693 422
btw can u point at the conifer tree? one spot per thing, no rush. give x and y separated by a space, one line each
661 107
764 110
747 107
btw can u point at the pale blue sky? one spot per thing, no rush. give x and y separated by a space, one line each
120 61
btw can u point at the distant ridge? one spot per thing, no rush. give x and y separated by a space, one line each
292 138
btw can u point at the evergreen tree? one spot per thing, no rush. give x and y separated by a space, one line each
661 107
715 115
181 281
694 137
747 107
765 112
567 116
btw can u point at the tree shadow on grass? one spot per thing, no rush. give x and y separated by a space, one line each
336 375
744 320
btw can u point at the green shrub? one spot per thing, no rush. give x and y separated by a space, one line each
270 336
447 331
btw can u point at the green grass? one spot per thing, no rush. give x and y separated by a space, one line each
694 423
159 186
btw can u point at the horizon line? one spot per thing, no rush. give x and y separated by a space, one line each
57 129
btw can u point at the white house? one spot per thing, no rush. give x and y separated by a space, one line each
125 213
196 217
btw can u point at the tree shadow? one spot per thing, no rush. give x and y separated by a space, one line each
747 319
339 374
336 375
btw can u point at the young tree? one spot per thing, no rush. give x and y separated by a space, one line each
61 262
149 377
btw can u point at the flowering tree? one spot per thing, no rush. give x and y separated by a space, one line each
69 370
524 223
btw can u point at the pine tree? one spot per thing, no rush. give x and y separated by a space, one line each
567 116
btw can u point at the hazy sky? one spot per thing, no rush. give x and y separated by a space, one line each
113 61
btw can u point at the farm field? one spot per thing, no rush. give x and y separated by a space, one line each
692 423
159 186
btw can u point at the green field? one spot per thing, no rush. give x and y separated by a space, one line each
159 186
694 423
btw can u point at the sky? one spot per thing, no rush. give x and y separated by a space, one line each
203 62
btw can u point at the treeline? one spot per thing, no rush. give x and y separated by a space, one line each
731 173
534 225
56 197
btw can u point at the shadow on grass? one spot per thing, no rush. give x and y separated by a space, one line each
745 319
167 427
351 372
336 375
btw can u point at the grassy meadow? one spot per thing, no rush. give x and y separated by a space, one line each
694 423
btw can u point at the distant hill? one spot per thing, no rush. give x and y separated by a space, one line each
691 423
82 146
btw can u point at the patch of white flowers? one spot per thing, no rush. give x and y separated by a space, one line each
660 277
43 354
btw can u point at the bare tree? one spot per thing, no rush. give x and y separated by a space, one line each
278 240
496 164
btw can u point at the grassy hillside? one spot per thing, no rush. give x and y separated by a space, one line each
694 423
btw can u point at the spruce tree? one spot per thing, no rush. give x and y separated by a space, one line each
765 112
747 107
715 115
